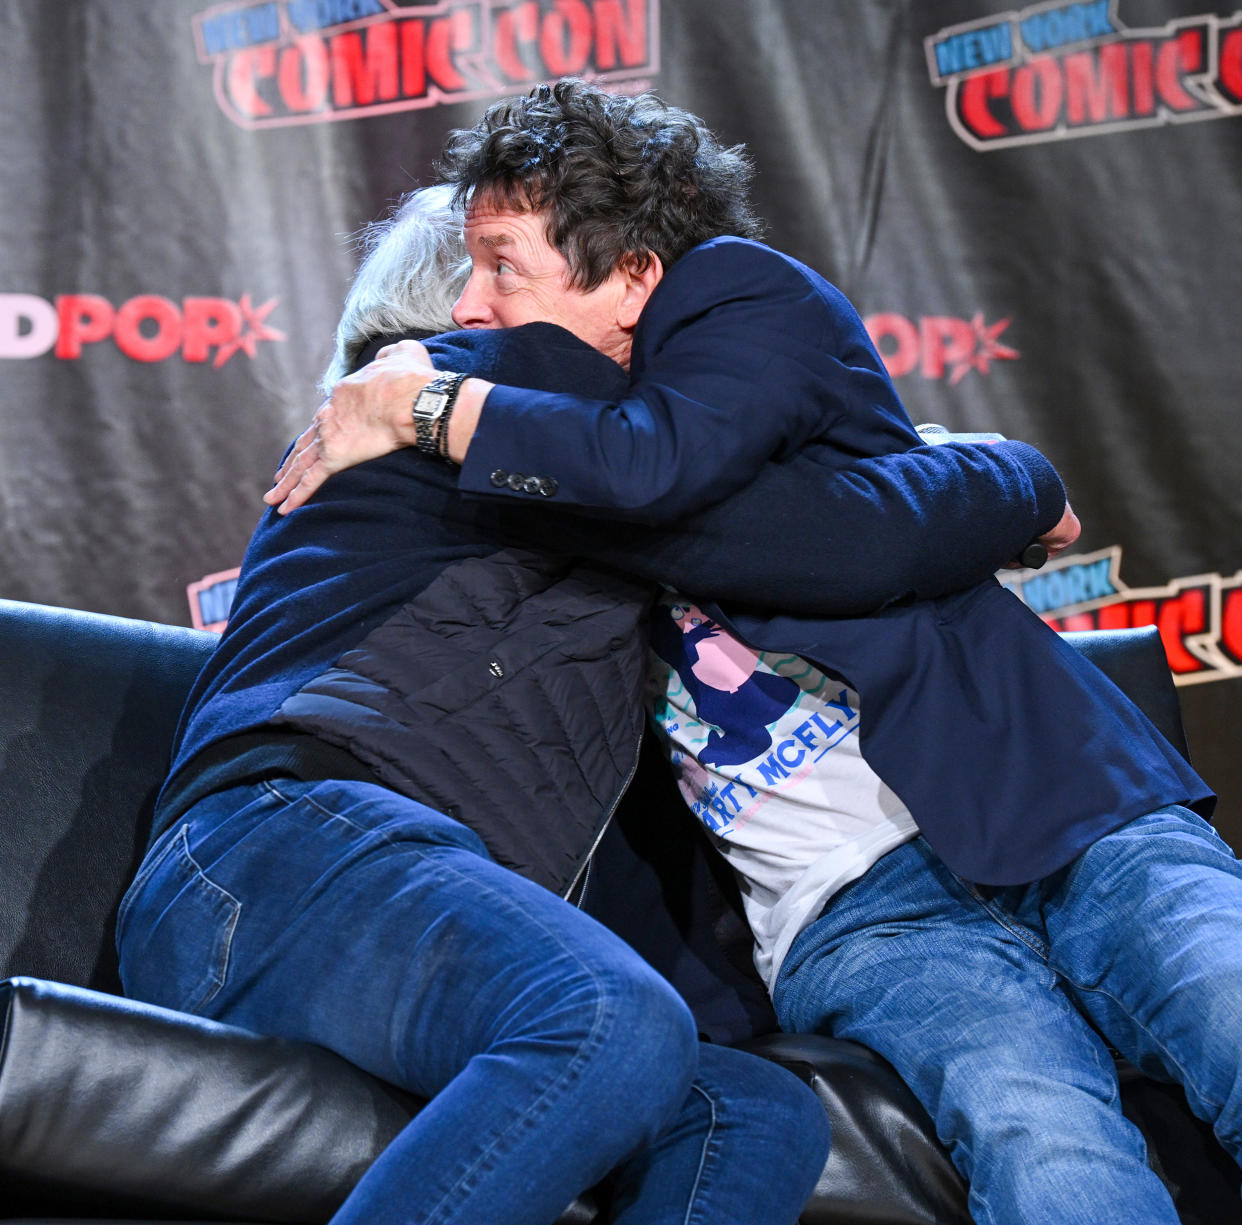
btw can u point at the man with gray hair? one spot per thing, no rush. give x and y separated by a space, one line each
414 270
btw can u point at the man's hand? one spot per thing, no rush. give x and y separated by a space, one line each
1064 534
367 415
1052 543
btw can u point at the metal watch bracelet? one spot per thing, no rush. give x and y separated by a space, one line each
432 410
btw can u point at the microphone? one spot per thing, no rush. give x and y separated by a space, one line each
1034 555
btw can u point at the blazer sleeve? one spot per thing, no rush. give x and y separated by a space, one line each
810 540
741 355
817 533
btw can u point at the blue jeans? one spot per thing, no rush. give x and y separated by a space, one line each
997 1008
346 915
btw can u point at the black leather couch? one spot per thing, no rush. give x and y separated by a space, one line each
116 1110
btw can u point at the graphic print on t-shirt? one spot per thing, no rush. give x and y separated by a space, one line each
738 726
766 752
721 675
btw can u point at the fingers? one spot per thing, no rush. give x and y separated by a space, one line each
301 492
290 472
300 479
302 457
300 443
1064 534
413 349
1049 544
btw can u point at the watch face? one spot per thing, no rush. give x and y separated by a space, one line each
429 404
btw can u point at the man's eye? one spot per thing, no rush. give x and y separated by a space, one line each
503 266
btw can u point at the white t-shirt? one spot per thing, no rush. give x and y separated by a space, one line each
765 749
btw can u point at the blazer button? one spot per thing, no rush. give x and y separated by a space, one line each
532 484
548 487
515 481
499 478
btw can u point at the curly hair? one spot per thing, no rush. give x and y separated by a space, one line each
619 176
415 268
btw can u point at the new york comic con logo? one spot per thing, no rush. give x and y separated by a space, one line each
1061 70
280 62
1199 618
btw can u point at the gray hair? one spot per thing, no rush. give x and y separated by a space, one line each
415 268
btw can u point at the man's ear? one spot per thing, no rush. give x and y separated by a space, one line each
638 284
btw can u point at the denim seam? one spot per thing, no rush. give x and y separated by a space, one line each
219 971
1182 1077
1044 952
327 812
1019 932
708 1144
150 863
976 1197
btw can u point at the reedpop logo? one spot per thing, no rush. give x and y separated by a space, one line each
938 346
146 328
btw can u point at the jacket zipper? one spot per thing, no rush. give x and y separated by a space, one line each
583 872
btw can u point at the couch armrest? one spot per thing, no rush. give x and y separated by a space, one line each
154 1112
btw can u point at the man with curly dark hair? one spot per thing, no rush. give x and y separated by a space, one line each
612 176
996 864
415 742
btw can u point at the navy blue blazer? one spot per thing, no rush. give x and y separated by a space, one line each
1010 749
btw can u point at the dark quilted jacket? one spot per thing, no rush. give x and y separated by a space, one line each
507 694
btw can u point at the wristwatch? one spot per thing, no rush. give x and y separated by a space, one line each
432 408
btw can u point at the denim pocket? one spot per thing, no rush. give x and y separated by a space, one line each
175 930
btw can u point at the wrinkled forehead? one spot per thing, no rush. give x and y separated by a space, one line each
489 223
485 203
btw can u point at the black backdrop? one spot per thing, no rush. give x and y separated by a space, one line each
1036 210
